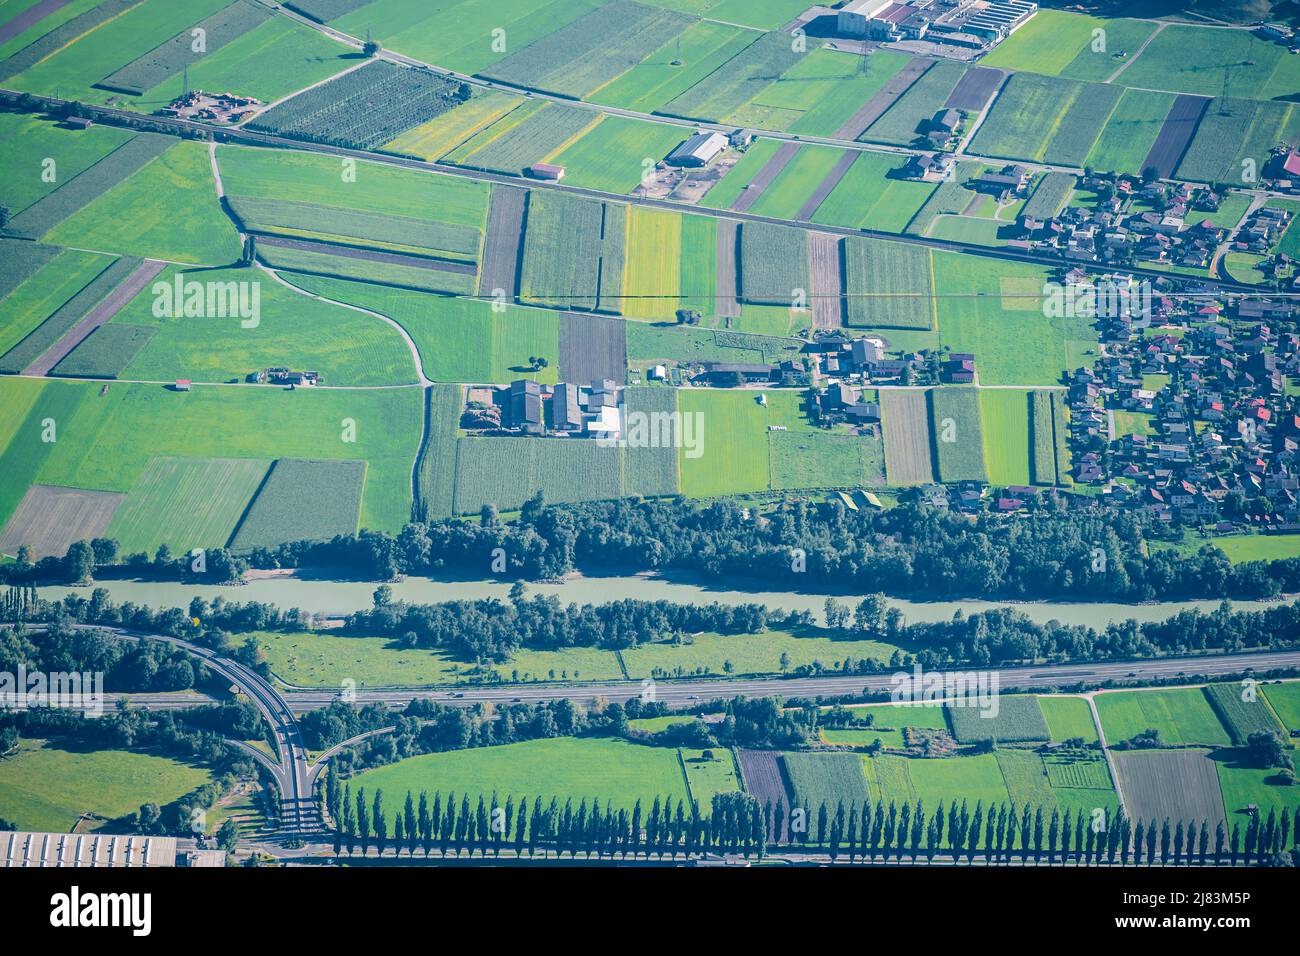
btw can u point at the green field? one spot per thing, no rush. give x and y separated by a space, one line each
955 422
651 282
28 142
433 139
1130 132
295 330
186 503
786 194
1068 717
1233 131
902 123
1183 716
106 441
1046 119
609 770
1244 784
889 284
167 210
47 786
41 295
1192 59
1004 415
613 155
303 500
995 310
735 455
888 722
1285 701
1242 709
1046 44
872 195
831 779
708 654
707 776
1017 718
507 471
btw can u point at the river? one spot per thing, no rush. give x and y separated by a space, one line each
341 597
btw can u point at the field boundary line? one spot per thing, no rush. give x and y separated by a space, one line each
1105 749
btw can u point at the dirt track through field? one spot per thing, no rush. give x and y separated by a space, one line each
728 235
875 107
771 169
905 416
825 187
108 307
505 231
1175 134
827 284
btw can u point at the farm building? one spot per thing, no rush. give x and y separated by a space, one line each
26 849
548 171
857 17
699 150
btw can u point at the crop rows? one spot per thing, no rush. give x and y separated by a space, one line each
524 136
46 213
67 315
888 284
825 778
435 476
902 122
958 436
19 261
63 35
365 108
773 263
650 470
585 55
1242 710
737 81
166 60
303 500
1049 196
1017 719
280 215
506 472
1061 427
1044 451
107 352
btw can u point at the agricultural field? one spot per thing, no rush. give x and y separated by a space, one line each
435 138
563 767
773 263
903 123
613 155
955 417
24 453
675 67
1131 132
45 291
888 285
732 426
649 466
305 257
49 519
725 193
303 499
107 440
650 344
526 135
310 178
825 460
873 195
797 183
1017 719
905 422
1242 710
583 56
1174 784
994 309
346 346
825 778
1243 784
1233 131
707 775
459 339
1067 718
166 210
1045 467
593 348
48 786
1056 43
1183 716
186 503
435 474
507 471
1192 59
764 777
651 284
737 82
709 654
363 108
27 142
1285 701
887 724
573 253
1049 196
1004 416
1045 119
821 92
105 352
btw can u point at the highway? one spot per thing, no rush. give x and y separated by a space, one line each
248 137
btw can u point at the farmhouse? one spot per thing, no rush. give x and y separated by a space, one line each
699 150
531 408
929 167
546 171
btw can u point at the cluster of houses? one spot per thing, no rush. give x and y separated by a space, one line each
1131 221
864 359
1219 436
526 407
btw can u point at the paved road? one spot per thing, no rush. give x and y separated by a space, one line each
234 134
